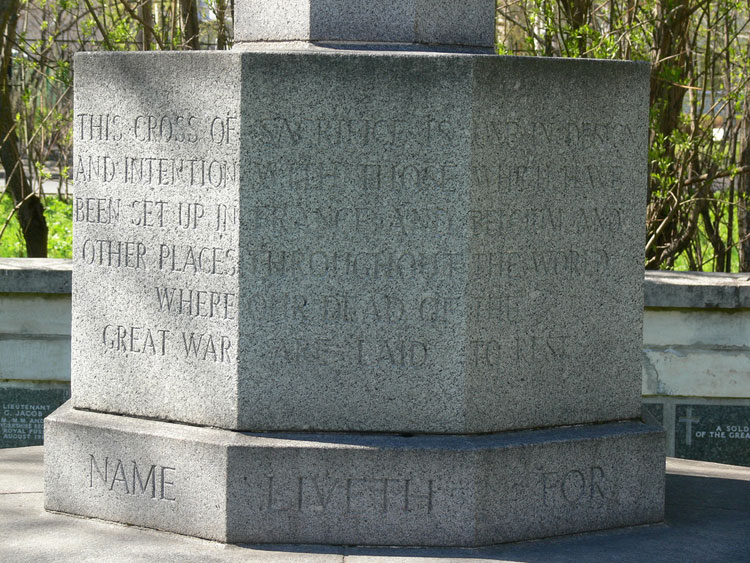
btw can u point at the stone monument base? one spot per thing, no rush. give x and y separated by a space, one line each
354 489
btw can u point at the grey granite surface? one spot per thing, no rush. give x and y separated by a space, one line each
347 488
35 275
707 516
389 241
697 290
156 171
469 22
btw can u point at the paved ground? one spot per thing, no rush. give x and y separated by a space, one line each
708 519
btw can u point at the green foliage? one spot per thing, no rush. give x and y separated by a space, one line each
59 215
46 36
11 243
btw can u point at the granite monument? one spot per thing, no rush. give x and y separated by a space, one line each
358 281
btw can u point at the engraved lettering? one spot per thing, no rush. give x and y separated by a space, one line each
149 479
166 483
165 128
227 217
197 303
400 353
316 494
207 347
114 479
103 211
519 350
93 466
135 339
328 132
197 260
190 214
99 127
362 265
92 168
156 171
548 262
119 477
222 129
114 253
148 213
574 486
367 176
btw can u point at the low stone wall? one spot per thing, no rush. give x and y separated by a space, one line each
696 363
34 345
696 356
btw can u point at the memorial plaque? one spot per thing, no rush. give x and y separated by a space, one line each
22 413
718 433
654 412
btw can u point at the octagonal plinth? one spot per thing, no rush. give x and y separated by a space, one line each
353 489
469 22
359 241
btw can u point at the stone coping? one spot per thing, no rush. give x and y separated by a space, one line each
35 275
662 289
696 290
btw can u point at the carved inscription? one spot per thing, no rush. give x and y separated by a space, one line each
519 349
363 265
148 213
500 179
190 302
155 171
129 478
192 345
418 210
166 129
305 177
544 262
281 131
182 258
548 221
314 494
404 221
379 352
573 135
575 486
345 308
193 154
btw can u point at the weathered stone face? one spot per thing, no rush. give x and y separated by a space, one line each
373 489
367 242
155 287
469 22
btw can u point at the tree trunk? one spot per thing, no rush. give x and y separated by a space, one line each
30 213
743 189
148 24
221 20
190 23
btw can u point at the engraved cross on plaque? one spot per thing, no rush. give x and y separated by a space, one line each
689 421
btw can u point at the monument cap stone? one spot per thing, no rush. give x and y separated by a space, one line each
443 22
